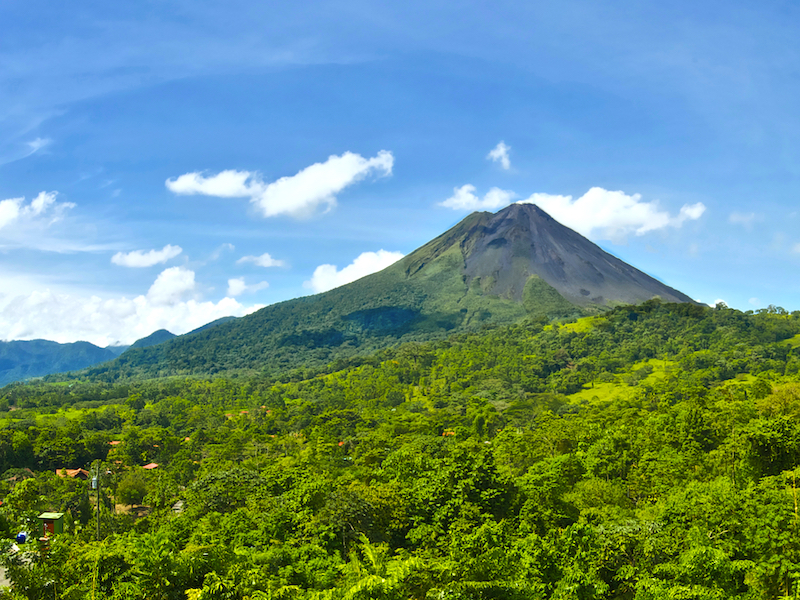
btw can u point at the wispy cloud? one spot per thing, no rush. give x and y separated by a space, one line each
744 219
500 154
140 258
14 210
464 198
37 144
300 195
327 277
226 247
12 151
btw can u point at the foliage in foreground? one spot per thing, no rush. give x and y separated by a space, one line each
479 467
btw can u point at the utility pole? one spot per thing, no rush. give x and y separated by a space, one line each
96 486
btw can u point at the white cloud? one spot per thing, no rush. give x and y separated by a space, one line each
464 198
689 212
265 260
171 286
299 195
9 210
237 287
227 184
500 154
140 258
170 303
796 248
754 302
327 277
712 304
598 214
612 215
14 210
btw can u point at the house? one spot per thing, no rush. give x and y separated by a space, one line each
82 474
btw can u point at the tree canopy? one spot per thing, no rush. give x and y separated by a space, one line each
648 453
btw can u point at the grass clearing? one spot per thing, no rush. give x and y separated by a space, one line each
44 418
622 388
601 392
582 325
794 342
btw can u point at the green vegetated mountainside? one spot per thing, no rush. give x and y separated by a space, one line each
489 269
35 358
649 452
157 337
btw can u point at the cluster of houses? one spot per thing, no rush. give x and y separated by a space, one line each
51 523
83 474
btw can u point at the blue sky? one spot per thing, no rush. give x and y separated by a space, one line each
166 163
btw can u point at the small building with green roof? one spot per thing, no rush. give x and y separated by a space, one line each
51 523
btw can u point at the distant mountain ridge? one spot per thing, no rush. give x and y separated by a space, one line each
34 358
489 268
23 359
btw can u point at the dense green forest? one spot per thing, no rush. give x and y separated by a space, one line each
650 452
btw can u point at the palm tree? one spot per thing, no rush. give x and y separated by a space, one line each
378 577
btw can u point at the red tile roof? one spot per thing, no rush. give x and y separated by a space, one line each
79 473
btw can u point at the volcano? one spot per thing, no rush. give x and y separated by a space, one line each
502 251
491 268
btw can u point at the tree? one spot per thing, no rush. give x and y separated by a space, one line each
132 488
379 577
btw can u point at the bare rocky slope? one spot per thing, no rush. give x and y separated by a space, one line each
502 251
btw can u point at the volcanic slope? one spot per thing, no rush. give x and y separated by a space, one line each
489 268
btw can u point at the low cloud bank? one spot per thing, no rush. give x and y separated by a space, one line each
171 303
